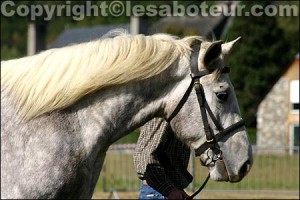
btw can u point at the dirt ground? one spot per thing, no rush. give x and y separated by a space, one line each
204 195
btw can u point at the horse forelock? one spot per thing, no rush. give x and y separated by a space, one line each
57 78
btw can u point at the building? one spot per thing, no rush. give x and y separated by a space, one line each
83 34
210 27
278 113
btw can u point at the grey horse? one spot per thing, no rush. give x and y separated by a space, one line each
63 108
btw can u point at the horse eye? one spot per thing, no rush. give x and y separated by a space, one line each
222 95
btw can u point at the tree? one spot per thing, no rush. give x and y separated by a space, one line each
259 59
290 26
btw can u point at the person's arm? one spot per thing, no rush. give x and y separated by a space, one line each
157 179
153 137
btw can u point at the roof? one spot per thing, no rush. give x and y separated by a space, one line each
83 34
292 71
208 26
204 26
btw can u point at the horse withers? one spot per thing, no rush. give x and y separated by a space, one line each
62 108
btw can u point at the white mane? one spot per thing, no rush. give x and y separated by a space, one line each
57 78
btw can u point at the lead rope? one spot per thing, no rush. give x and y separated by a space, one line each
200 189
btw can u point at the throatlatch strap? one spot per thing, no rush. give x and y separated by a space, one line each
181 102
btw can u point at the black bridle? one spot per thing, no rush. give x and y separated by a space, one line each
211 144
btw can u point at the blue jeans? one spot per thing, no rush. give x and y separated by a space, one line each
148 192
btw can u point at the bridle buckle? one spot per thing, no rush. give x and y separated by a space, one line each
210 141
214 154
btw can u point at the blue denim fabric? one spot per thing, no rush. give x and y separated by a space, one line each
148 192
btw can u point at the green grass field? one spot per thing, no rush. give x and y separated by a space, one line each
206 195
268 173
273 176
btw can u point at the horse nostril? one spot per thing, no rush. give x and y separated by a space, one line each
245 168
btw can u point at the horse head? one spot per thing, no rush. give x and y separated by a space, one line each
216 131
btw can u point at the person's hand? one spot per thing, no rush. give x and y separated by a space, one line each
177 194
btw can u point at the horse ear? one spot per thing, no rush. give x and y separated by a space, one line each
226 47
212 53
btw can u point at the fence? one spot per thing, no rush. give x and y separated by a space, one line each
271 172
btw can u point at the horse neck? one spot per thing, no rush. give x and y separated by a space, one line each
114 112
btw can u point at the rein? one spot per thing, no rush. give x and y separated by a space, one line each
211 144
